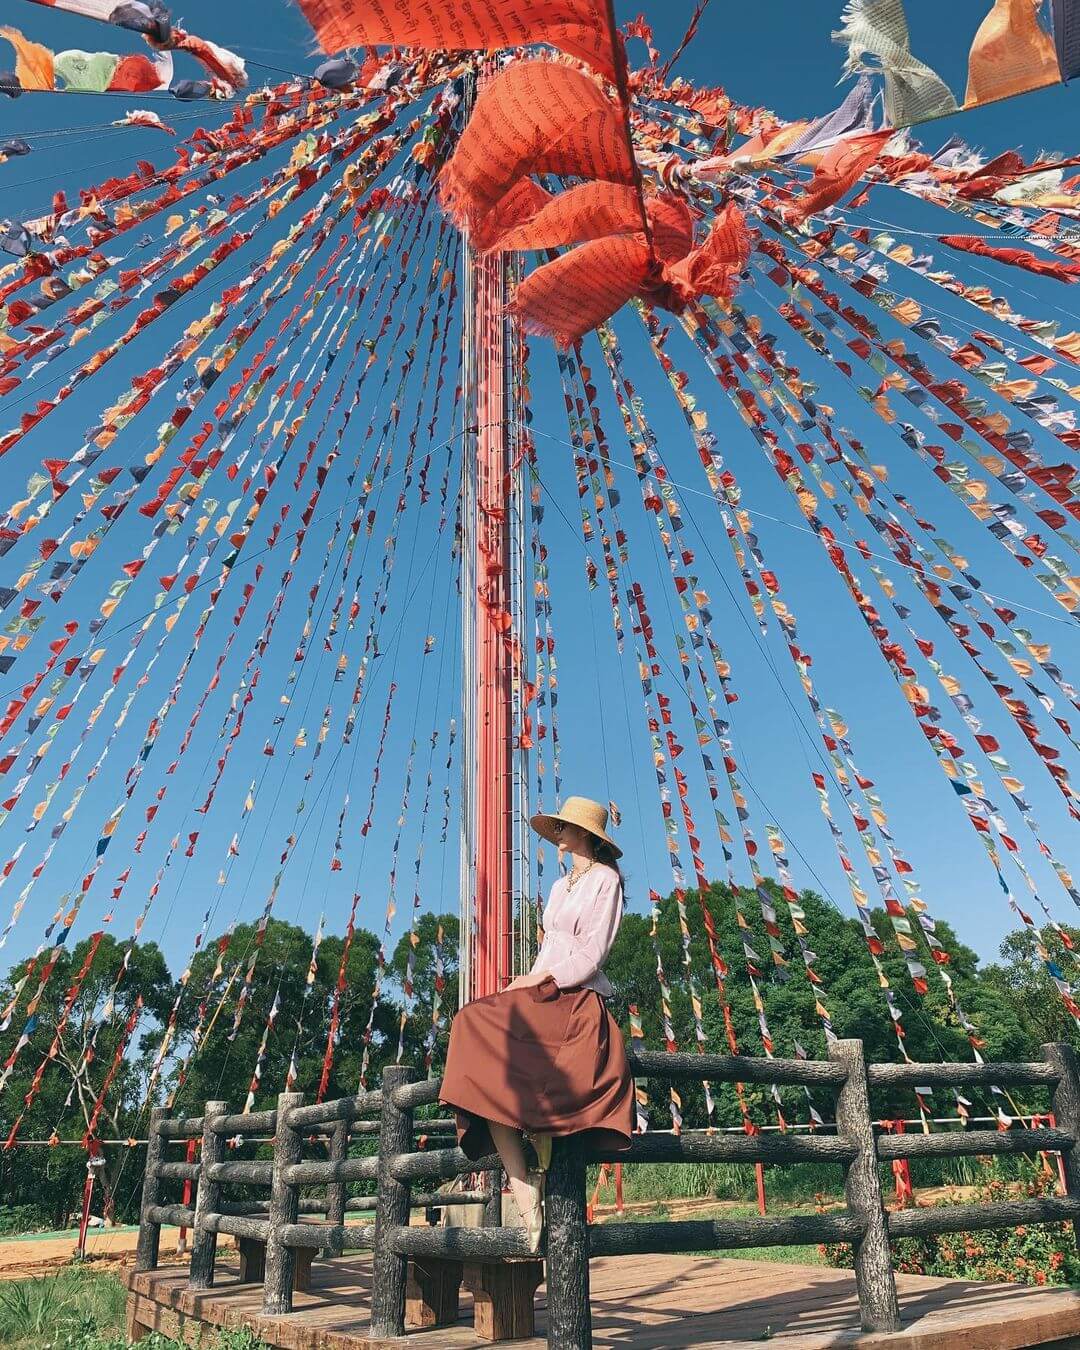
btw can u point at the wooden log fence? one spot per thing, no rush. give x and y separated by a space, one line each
422 1267
280 1221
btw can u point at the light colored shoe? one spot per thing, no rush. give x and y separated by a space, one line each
542 1144
532 1211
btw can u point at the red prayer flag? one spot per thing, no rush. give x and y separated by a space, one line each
582 28
840 168
533 117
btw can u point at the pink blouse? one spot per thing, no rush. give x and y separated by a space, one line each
579 929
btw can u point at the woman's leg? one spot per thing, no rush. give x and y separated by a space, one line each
526 1192
508 1142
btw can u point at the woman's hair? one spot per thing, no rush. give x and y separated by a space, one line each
604 853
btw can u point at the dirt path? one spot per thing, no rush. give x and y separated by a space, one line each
686 1209
114 1248
108 1248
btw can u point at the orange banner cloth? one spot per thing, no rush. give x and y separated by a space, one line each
1068 272
839 169
762 147
1011 54
533 117
592 210
581 28
566 298
520 205
713 268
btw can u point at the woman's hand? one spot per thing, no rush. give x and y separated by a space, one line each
533 978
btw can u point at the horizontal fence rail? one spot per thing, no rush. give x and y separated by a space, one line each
405 1157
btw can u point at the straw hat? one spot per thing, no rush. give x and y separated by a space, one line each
580 811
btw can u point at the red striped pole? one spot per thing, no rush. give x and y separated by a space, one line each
488 856
494 822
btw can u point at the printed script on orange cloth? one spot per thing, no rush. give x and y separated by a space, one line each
533 117
581 28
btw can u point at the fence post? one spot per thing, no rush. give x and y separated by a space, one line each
207 1200
335 1191
146 1253
1065 1102
391 1209
569 1315
878 1307
493 1207
181 1238
284 1209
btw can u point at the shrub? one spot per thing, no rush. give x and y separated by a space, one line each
1043 1253
16 1219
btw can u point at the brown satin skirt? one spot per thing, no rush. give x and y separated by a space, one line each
543 1059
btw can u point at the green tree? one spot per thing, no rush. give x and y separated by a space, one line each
83 1054
1011 1006
848 989
1022 979
417 1008
223 1067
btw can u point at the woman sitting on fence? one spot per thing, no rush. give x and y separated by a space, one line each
545 1055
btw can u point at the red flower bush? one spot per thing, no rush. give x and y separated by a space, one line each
1027 1254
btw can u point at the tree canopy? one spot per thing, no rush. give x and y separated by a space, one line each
1011 1003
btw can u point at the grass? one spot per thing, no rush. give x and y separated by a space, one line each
81 1309
51 1307
725 1181
794 1185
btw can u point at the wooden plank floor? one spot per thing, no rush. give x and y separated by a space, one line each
645 1303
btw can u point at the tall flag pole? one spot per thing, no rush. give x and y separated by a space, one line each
491 659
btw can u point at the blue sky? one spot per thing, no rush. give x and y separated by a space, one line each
776 54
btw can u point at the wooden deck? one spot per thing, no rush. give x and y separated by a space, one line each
643 1303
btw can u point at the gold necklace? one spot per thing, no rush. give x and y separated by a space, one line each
575 876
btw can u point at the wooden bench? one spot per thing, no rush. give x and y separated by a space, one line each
253 1264
503 1293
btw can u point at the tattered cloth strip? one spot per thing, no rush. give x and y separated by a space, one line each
1067 36
141 117
587 211
693 600
1016 708
114 1069
834 733
246 987
566 298
593 210
878 29
391 896
996 516
260 1054
581 28
981 813
1067 272
840 168
312 971
855 114
335 1008
533 117
688 37
1011 54
762 147
653 714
